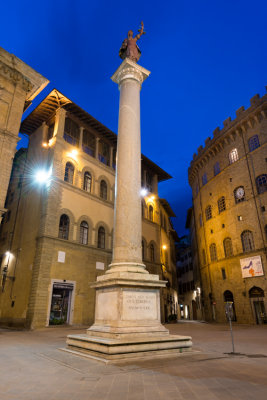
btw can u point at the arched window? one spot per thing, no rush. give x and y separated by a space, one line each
71 132
151 211
221 204
152 252
261 182
89 143
84 229
239 194
69 173
143 250
253 143
87 182
247 241
213 252
208 213
64 225
228 248
101 238
233 156
204 256
103 190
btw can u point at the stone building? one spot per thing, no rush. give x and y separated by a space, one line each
56 236
229 184
19 85
188 275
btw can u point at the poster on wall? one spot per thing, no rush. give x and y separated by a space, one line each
251 267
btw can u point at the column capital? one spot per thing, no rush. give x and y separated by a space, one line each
130 70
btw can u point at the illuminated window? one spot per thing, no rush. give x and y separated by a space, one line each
247 241
89 143
84 229
87 182
216 168
69 173
253 143
228 248
103 190
71 132
221 204
64 224
204 179
261 182
213 252
233 156
151 211
208 213
101 238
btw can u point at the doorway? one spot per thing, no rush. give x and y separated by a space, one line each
256 295
60 304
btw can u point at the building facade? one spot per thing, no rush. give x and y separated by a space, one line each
56 237
228 178
19 85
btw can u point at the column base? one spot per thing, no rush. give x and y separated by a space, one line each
127 320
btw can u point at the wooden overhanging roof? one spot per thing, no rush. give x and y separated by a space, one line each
167 207
55 100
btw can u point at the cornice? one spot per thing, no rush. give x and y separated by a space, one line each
15 77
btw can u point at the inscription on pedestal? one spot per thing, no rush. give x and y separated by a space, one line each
139 305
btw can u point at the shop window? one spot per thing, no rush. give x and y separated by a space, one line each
89 143
87 182
208 212
228 248
253 143
84 230
216 168
233 156
213 252
101 238
103 190
261 182
71 132
64 224
221 204
69 173
247 241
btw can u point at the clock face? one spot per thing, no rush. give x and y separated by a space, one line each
240 192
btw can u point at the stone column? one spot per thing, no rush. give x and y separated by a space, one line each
127 253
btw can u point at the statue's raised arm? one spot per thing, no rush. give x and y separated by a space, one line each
129 48
141 31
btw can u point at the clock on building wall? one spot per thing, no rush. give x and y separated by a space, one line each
240 192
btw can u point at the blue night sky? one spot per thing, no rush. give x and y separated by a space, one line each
207 58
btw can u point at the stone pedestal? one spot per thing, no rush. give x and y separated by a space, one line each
127 314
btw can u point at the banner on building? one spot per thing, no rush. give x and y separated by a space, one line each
251 267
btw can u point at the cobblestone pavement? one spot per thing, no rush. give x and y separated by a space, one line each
33 368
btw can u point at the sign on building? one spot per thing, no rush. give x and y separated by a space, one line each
251 267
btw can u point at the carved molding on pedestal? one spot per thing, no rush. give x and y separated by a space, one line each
130 70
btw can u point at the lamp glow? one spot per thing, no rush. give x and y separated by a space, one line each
43 176
164 247
143 192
